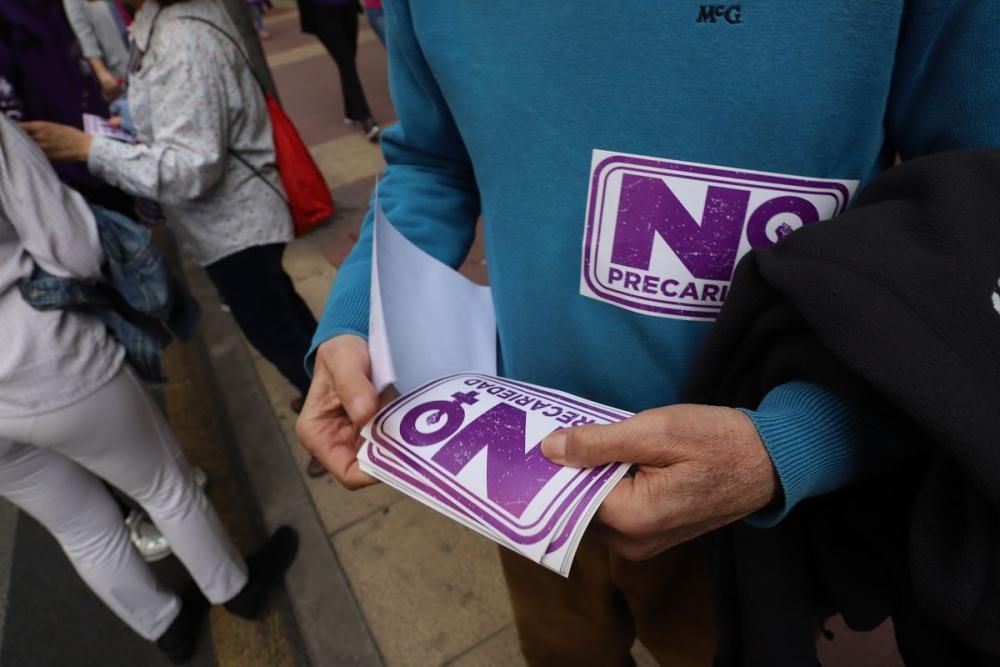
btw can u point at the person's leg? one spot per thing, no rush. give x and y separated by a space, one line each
120 435
376 19
298 324
670 598
301 315
265 304
580 620
73 505
258 20
339 34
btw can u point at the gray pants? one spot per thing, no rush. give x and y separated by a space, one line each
49 467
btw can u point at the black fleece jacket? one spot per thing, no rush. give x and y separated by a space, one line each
896 302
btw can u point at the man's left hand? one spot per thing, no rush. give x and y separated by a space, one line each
61 143
699 468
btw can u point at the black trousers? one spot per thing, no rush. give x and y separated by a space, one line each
272 315
337 29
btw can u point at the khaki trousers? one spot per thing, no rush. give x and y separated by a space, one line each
594 616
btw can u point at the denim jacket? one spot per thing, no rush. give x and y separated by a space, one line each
140 302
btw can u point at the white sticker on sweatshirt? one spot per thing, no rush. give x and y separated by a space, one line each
663 237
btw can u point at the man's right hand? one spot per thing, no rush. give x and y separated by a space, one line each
340 401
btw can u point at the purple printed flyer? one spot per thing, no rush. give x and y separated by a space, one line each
99 127
469 445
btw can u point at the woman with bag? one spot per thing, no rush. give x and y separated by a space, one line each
73 412
206 153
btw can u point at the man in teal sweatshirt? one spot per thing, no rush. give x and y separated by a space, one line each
623 156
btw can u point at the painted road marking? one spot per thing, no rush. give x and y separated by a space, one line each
347 159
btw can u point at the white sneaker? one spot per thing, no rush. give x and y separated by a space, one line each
200 478
371 129
146 537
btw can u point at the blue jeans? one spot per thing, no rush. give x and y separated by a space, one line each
376 19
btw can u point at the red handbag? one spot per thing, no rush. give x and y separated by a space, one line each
308 195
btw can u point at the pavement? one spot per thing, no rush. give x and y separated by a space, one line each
380 579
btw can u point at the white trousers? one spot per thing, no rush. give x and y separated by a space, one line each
49 467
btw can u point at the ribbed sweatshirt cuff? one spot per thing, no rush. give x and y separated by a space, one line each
346 313
816 441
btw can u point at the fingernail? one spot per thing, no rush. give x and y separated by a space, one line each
358 407
554 447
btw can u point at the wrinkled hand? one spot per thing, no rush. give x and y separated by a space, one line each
700 468
340 401
61 143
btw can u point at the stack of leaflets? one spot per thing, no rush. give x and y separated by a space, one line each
96 126
461 440
469 446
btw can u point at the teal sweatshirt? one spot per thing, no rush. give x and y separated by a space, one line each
623 155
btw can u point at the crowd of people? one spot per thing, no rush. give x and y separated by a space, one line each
823 442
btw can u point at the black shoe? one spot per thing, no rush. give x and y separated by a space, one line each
316 469
178 642
265 568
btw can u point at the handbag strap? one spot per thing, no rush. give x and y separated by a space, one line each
263 91
256 172
233 41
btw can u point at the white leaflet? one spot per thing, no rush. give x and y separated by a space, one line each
426 320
